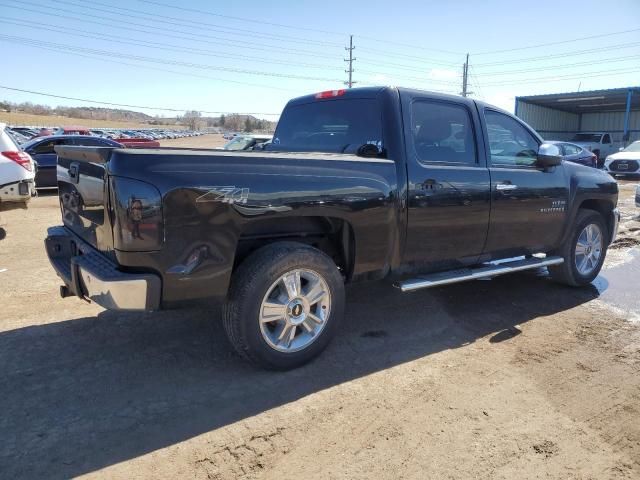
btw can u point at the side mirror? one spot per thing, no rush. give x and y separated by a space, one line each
549 155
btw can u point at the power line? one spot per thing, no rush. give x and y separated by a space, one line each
602 73
242 19
558 42
416 79
387 53
33 42
294 27
560 55
556 67
164 70
199 37
127 105
409 45
475 81
189 23
396 66
156 45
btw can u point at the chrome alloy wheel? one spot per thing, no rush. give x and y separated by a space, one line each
295 310
589 249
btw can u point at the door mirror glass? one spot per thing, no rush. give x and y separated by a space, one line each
549 155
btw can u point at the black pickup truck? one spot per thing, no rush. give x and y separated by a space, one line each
363 184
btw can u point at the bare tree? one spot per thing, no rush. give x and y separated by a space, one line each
233 122
190 119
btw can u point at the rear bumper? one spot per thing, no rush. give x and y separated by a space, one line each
88 274
19 192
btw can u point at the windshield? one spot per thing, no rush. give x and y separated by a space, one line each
587 137
17 138
238 143
332 126
634 147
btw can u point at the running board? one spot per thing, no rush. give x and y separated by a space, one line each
466 274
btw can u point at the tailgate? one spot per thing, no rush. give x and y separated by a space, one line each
83 193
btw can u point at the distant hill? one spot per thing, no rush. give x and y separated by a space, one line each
89 113
190 119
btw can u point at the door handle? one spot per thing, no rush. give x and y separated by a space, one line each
431 184
504 187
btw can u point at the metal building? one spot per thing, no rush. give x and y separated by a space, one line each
559 116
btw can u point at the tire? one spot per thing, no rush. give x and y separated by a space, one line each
259 293
569 272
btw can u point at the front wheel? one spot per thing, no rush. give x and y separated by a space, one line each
285 303
584 251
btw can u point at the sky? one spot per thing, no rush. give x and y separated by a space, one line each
252 56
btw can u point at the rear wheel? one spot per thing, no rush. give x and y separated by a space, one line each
584 251
284 306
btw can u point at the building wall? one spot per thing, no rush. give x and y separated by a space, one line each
557 125
551 124
612 122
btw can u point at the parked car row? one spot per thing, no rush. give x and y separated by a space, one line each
42 151
22 134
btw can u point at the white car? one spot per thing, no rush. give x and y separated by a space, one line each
625 162
17 173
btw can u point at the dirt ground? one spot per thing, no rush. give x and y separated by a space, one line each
512 378
213 140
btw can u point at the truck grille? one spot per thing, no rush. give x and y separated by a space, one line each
624 166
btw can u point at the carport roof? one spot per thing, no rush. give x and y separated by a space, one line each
614 99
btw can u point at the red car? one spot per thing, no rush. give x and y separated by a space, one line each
72 131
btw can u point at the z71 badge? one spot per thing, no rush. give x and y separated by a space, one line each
224 194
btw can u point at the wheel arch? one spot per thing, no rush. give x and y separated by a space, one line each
332 235
603 207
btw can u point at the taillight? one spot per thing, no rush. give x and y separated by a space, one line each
331 93
21 158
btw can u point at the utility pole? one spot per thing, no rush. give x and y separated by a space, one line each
350 49
465 76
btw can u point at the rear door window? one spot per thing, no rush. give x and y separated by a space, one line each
47 147
333 126
86 141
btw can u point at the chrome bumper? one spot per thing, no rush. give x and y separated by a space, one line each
90 275
615 225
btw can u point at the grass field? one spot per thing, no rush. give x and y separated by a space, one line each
26 119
